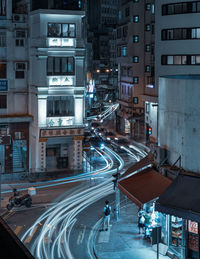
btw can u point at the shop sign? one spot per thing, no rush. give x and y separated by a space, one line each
47 133
5 140
3 85
193 227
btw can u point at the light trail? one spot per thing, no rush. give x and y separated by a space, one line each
60 218
58 221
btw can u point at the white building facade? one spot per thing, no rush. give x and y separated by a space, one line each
47 47
177 59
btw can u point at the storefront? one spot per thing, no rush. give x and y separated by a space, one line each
14 146
60 149
180 206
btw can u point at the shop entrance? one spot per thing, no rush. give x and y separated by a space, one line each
56 157
19 155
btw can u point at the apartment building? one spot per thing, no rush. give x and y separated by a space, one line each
135 58
42 85
102 18
177 59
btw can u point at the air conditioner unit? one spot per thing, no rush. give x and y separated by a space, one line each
19 18
160 155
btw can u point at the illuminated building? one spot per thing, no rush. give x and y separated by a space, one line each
42 85
135 58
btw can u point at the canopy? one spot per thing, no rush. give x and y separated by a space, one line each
144 186
182 198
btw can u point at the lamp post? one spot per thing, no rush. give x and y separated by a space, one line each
117 194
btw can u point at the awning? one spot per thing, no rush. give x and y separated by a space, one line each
148 160
182 198
144 186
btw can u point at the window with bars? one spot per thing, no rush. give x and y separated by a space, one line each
20 70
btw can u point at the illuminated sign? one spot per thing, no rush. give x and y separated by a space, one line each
60 42
193 227
150 86
60 80
90 86
59 122
44 133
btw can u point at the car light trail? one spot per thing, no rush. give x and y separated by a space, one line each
58 221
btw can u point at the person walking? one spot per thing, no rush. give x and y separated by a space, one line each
107 212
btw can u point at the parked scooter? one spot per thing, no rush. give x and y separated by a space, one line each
17 201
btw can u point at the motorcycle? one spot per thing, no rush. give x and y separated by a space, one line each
18 201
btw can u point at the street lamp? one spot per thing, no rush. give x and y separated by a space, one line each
117 194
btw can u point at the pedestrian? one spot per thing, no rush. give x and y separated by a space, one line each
141 220
107 212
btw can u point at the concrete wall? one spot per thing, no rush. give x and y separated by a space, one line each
179 119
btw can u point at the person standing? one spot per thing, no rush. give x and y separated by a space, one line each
141 220
107 212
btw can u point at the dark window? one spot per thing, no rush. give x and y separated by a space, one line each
180 34
60 106
3 101
61 30
119 34
125 31
19 74
180 8
19 42
127 11
60 66
3 70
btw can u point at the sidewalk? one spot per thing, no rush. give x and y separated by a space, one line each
122 240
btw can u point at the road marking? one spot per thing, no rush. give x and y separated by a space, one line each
28 239
17 230
104 236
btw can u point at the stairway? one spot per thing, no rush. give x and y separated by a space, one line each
17 158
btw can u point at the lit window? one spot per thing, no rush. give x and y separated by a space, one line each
135 38
148 48
147 68
169 60
148 27
148 7
135 100
124 51
135 79
136 18
135 59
